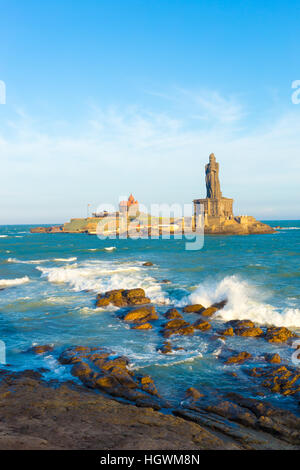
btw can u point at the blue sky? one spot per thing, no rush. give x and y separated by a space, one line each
108 97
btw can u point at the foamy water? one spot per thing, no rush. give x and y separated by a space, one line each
49 286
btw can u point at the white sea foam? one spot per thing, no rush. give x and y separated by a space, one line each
34 261
72 258
13 282
3 236
244 302
110 248
102 276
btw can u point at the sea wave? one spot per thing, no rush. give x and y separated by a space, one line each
102 276
13 282
39 261
72 258
244 302
3 236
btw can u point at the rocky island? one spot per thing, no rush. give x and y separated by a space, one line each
215 212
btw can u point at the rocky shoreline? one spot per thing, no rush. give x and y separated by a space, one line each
76 414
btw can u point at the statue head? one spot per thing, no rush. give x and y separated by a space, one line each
212 157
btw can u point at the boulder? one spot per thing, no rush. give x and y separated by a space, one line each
239 358
228 332
122 298
172 313
208 312
202 325
193 393
278 335
141 314
241 324
195 308
142 326
166 348
42 349
273 358
176 323
184 330
81 370
148 263
97 369
249 331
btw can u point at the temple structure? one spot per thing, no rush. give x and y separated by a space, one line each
215 205
129 207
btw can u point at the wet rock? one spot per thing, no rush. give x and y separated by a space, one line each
251 422
122 298
208 312
193 393
195 308
251 331
241 324
273 358
283 380
239 358
278 335
220 305
202 325
173 313
41 349
141 314
165 281
142 326
166 348
227 332
148 263
97 369
177 326
81 370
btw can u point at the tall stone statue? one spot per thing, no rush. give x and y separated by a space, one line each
213 189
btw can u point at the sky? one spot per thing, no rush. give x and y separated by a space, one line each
108 97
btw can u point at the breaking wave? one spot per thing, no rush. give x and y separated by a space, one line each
244 302
13 282
102 276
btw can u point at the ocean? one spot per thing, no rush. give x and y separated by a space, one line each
49 282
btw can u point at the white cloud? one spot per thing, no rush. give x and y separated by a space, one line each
159 156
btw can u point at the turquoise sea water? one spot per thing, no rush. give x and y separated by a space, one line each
49 284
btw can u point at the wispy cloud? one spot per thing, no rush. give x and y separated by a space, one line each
50 176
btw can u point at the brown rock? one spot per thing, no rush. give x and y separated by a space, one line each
239 358
173 313
122 298
227 332
81 370
41 349
273 358
142 326
208 312
166 348
202 325
195 308
278 335
184 330
148 263
242 324
176 323
249 332
193 393
141 314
